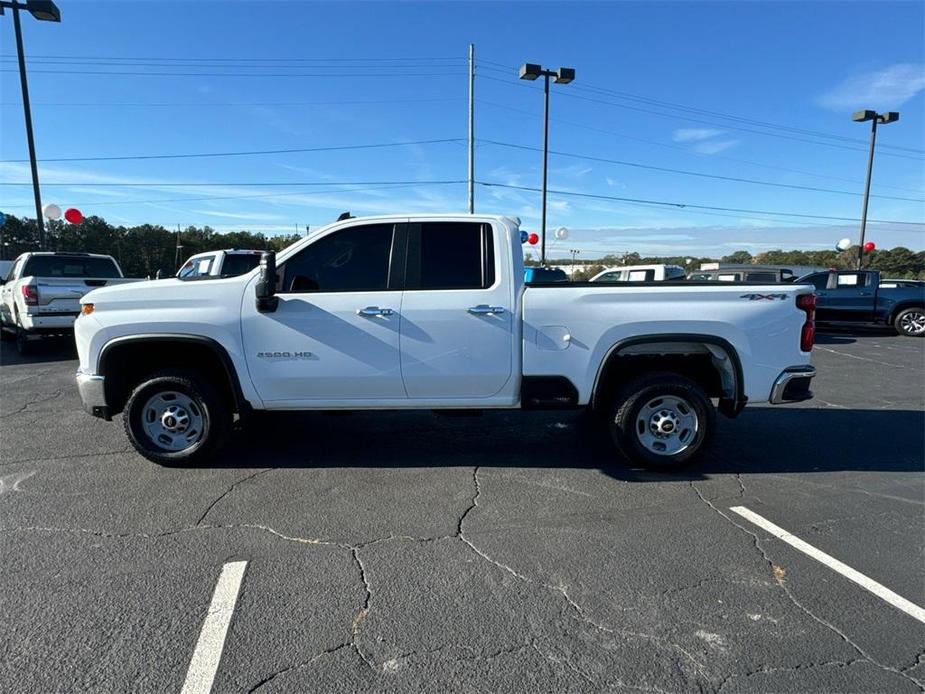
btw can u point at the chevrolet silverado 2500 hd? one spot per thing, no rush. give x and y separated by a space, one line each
41 294
369 314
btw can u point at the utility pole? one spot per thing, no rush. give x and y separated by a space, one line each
176 255
471 128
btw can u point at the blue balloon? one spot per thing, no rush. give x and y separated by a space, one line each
524 236
2 219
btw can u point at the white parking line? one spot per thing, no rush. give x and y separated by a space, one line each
882 592
208 653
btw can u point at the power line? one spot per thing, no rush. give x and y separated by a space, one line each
244 153
219 184
684 205
572 95
735 179
719 114
149 104
355 189
688 151
239 74
255 59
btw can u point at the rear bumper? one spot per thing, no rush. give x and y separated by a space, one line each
92 389
48 323
793 385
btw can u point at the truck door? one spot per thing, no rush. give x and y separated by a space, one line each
334 334
851 299
457 326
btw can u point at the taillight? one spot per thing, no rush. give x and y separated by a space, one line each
807 304
30 294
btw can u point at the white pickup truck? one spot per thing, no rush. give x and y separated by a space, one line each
431 312
224 263
40 296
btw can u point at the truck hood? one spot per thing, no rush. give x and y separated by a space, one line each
166 292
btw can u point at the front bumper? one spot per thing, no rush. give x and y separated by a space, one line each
92 389
793 385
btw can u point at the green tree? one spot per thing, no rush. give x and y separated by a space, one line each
738 258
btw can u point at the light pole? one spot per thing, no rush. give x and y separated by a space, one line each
874 118
44 11
564 75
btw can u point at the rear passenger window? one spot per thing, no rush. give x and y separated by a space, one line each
761 277
450 255
642 275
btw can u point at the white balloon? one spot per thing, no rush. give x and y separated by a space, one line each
843 245
51 211
562 233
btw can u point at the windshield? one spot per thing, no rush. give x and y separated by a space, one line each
71 266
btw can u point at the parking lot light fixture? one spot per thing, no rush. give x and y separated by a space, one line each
43 11
874 118
564 75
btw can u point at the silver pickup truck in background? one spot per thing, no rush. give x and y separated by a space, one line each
40 296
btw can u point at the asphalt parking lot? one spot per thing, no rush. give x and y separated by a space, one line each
500 553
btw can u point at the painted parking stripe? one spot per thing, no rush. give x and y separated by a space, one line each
208 653
881 591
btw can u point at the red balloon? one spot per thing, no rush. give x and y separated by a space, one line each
870 247
73 215
533 239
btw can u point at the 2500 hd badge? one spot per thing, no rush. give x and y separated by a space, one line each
285 355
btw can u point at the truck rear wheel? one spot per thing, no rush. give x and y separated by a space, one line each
661 421
910 322
176 418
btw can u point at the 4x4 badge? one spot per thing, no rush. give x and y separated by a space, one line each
768 297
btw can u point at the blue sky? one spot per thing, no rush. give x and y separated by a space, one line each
300 75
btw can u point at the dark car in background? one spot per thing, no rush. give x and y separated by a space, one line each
860 297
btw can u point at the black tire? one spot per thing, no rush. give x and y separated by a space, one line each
629 426
24 345
910 322
7 333
206 406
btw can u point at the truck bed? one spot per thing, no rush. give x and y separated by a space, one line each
569 328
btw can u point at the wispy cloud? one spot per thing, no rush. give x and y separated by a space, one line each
695 134
714 146
880 89
245 216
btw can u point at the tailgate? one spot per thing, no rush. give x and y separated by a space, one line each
62 296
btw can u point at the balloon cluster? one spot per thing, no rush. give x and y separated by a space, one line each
845 244
53 212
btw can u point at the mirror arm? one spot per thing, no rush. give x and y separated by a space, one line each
265 289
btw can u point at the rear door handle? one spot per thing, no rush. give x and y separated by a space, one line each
486 310
374 311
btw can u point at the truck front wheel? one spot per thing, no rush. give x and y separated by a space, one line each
176 418
911 322
661 421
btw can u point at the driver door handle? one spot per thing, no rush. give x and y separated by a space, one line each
374 311
486 310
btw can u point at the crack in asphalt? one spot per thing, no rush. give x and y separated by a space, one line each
34 401
764 670
230 490
305 663
756 541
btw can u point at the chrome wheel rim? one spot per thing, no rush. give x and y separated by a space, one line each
172 421
913 323
667 425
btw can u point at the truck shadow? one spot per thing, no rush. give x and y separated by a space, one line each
762 440
47 350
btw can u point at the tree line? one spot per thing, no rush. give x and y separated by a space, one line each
140 250
899 262
143 250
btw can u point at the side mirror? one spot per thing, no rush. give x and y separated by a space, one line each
265 289
161 274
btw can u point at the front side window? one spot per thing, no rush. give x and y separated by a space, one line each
238 263
196 267
610 277
450 255
761 277
350 260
